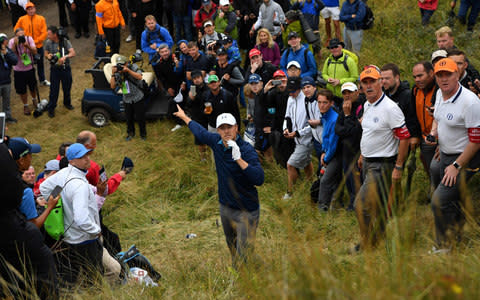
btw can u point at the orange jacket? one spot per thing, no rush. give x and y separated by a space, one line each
34 26
422 101
108 15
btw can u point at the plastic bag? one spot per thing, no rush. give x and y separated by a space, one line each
141 276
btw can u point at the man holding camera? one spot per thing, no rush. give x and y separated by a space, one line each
127 77
23 72
7 61
58 51
36 27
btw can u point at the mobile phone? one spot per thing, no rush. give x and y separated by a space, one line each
56 191
276 82
431 138
2 127
193 90
103 174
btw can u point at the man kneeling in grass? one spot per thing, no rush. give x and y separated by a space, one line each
238 172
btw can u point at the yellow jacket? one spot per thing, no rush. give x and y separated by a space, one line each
34 26
108 15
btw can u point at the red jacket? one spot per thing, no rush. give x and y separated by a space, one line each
93 176
428 4
202 15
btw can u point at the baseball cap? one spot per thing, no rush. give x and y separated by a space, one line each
307 80
370 73
212 78
20 147
222 51
226 118
3 36
254 78
294 84
254 52
439 54
29 4
208 23
349 86
279 73
52 165
334 43
292 34
196 73
226 39
293 63
121 60
224 2
205 2
77 150
446 64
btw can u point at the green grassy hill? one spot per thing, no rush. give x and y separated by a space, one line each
302 253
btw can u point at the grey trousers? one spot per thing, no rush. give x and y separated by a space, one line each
371 200
329 183
5 94
448 202
240 228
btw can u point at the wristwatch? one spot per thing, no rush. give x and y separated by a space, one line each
456 165
399 168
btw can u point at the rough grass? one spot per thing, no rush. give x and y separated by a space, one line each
301 253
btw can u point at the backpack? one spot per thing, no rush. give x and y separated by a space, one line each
305 57
54 225
369 18
348 54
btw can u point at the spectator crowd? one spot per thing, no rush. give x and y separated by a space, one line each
361 122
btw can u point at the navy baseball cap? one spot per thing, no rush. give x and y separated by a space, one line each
294 84
77 151
196 73
20 147
307 80
254 78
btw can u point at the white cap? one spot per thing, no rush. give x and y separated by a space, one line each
3 35
226 118
293 63
224 2
208 23
349 86
439 54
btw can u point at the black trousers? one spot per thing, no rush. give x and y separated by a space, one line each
136 111
143 10
113 38
22 246
82 14
80 261
62 13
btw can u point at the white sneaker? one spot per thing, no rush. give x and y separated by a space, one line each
45 83
138 51
287 196
436 250
177 127
129 38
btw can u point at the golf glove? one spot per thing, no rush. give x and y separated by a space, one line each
235 150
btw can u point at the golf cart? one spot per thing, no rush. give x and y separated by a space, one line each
102 104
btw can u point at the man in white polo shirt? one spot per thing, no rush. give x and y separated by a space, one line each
457 127
384 146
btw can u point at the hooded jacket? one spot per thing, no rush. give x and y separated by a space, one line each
159 35
227 24
268 14
202 15
297 113
334 68
356 8
7 61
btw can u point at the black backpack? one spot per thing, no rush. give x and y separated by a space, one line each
369 17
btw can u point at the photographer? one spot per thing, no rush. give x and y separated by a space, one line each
127 77
23 72
58 51
7 61
210 37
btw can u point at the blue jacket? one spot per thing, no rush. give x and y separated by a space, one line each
309 67
331 3
356 8
236 187
329 137
159 36
233 54
7 61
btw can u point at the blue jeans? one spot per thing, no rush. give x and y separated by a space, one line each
426 15
474 11
40 66
184 22
57 75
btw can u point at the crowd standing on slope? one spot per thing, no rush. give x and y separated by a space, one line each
362 122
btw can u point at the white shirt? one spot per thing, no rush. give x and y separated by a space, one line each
454 116
80 208
296 111
315 114
21 3
379 120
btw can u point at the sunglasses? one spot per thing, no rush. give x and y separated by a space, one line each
333 47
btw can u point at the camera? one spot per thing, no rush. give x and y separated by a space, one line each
41 107
155 59
177 53
21 39
120 67
62 33
276 82
53 60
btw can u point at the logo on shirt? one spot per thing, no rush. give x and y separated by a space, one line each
449 117
376 119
